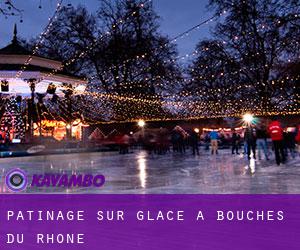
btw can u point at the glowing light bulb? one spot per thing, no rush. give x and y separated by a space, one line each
141 123
248 118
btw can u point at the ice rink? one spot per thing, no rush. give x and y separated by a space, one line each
141 173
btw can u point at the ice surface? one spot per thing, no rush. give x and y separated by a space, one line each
139 172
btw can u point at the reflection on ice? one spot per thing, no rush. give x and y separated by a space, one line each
171 173
252 165
141 159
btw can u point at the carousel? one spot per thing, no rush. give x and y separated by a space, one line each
27 82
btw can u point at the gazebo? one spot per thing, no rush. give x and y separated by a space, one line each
25 78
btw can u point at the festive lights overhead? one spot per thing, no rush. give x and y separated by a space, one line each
202 102
41 38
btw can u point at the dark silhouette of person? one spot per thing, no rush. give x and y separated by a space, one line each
194 140
235 139
250 138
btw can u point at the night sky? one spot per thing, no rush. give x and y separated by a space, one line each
176 17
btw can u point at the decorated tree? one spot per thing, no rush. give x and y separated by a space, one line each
243 62
121 51
12 120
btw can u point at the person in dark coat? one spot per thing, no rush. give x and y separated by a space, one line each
235 139
194 140
261 136
290 143
250 139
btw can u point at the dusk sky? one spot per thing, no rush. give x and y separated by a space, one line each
176 17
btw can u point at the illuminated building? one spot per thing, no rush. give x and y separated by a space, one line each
27 80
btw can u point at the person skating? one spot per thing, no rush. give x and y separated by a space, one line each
290 143
235 139
276 134
194 140
250 139
261 136
297 139
214 141
207 141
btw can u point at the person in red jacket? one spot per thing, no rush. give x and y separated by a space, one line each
276 134
3 137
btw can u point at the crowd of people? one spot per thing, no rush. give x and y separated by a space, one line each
253 140
284 141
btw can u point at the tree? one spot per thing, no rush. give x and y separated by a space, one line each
250 44
121 48
70 35
12 121
136 56
213 77
8 8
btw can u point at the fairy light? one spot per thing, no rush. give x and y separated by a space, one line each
41 38
151 110
91 46
186 100
174 39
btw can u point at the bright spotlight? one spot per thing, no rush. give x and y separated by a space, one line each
197 130
248 118
141 123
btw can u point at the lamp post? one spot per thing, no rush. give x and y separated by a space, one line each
68 91
32 84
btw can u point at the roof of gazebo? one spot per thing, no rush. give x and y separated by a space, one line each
14 56
14 48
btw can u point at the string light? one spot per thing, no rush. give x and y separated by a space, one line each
91 46
40 39
185 105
